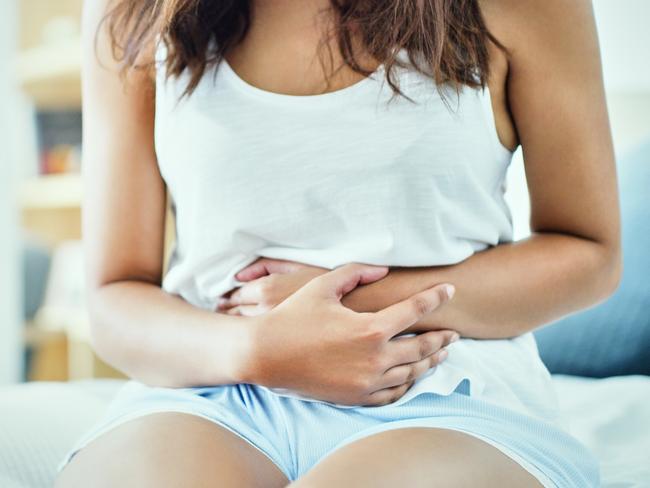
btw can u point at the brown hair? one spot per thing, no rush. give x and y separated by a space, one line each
446 40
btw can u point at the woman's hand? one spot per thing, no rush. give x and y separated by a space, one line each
268 283
313 345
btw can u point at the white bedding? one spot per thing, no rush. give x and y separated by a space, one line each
612 417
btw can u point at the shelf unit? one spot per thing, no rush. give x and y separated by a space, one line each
51 75
51 192
48 72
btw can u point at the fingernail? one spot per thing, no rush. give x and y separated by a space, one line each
450 290
455 337
443 355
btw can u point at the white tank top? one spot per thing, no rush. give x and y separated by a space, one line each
337 178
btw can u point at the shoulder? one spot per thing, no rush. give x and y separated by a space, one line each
107 25
528 26
93 13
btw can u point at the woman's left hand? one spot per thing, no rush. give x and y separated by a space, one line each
268 282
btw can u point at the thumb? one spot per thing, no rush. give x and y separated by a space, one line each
342 280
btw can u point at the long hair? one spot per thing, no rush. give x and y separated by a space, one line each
446 40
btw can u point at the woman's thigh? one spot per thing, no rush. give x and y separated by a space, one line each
170 450
417 457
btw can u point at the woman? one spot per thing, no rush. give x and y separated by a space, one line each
299 138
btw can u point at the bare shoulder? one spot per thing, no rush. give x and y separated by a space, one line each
525 26
93 14
97 38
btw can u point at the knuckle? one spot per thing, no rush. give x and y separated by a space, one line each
420 306
426 348
376 363
362 385
437 339
373 332
442 295
412 374
437 358
433 360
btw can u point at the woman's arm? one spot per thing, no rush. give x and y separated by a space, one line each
572 260
136 327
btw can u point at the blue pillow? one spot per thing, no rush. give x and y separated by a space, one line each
613 338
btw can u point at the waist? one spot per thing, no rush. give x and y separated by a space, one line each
201 278
505 372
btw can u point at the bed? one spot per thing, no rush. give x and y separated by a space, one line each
612 417
40 421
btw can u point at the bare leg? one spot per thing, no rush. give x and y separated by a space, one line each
418 457
170 450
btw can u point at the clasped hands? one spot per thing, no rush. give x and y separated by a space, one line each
309 342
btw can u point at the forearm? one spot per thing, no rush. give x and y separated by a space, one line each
506 290
162 340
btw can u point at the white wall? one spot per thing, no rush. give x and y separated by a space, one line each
10 326
625 47
625 41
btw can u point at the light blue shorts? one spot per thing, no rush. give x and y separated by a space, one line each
295 434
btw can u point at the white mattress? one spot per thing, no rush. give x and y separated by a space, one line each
612 417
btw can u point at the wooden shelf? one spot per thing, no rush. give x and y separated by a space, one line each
51 74
52 192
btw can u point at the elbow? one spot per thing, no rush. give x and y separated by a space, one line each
100 336
609 273
615 276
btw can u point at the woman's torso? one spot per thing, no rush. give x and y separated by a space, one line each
336 178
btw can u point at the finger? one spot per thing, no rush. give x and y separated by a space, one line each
388 395
405 373
403 350
246 310
253 271
402 315
249 294
336 283
225 303
267 266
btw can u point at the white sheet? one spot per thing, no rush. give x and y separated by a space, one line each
612 417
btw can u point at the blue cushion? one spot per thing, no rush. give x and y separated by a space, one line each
36 266
613 338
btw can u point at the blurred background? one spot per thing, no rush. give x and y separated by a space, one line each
43 323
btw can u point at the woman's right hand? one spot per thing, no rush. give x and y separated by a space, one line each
313 345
